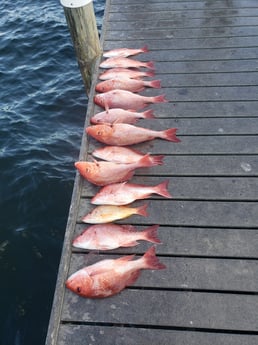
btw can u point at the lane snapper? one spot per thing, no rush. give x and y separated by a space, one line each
120 154
124 193
122 134
103 173
111 236
126 100
125 62
109 213
125 52
108 277
120 116
120 72
133 85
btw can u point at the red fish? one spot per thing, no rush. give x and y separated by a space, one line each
109 277
122 134
126 100
124 52
125 193
119 154
109 213
133 85
125 62
118 115
103 173
111 236
121 72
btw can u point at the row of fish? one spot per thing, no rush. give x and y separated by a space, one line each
115 127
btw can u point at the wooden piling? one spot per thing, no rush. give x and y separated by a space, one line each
81 21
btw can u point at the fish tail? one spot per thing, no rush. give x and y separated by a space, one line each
147 161
160 99
149 74
157 160
151 234
145 49
150 65
142 210
170 135
156 84
151 261
148 114
162 189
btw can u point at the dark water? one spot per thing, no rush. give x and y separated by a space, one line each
42 113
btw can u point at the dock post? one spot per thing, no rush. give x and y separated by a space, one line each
81 21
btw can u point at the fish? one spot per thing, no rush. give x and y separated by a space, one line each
109 213
126 100
124 193
121 72
111 236
110 276
133 85
118 115
120 154
125 52
123 134
125 62
102 173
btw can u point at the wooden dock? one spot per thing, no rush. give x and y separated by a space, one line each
206 56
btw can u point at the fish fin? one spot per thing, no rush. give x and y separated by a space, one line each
162 189
151 261
170 135
145 49
106 106
133 277
148 114
125 258
157 160
150 234
130 244
156 84
150 74
160 99
150 65
142 210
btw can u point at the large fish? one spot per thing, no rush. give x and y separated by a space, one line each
121 72
109 277
109 213
125 62
111 236
126 100
133 85
118 115
123 134
124 193
125 52
120 154
103 173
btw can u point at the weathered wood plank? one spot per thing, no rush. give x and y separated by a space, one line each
111 335
167 309
197 242
191 213
197 188
190 273
198 145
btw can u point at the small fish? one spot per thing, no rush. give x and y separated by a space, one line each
124 193
125 52
125 62
111 236
126 100
133 85
109 277
121 72
118 115
109 213
120 154
103 173
123 134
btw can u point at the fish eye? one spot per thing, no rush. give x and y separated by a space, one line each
78 289
99 133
